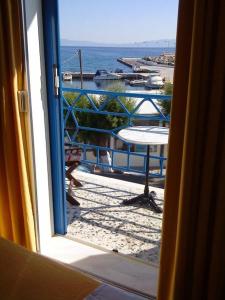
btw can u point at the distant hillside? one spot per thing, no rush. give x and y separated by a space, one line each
157 43
163 43
66 42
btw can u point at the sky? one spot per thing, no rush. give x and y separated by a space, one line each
118 21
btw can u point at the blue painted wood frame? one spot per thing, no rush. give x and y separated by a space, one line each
52 57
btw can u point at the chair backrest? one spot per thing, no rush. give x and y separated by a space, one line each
72 153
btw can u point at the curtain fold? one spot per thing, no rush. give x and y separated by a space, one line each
192 263
16 173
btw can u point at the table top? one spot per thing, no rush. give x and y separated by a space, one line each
145 135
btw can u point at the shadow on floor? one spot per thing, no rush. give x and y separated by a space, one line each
121 272
155 182
103 220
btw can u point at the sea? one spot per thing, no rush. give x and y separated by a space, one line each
94 58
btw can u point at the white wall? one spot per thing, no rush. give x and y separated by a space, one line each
39 115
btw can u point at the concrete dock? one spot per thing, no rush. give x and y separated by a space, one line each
129 76
164 70
130 62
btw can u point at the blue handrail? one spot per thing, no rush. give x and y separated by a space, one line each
71 108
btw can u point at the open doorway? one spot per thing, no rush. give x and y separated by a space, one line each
117 72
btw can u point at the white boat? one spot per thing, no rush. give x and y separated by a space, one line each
104 75
138 82
67 76
154 82
136 68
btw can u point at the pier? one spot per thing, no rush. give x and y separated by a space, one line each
129 76
129 62
140 62
145 68
165 71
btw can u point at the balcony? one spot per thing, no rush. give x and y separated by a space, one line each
102 219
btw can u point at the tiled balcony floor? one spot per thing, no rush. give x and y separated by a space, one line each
103 220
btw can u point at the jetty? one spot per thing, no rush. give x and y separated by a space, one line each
141 69
128 76
166 71
167 59
160 61
129 62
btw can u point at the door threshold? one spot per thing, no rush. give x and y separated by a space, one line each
119 270
127 257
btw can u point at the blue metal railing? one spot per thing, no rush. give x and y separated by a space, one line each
79 103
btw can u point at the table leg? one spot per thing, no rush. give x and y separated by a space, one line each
146 198
146 190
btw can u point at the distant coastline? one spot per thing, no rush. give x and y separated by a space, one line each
163 43
171 49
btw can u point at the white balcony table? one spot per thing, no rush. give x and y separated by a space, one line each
145 135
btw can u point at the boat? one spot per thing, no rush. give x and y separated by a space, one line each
118 70
154 82
136 68
104 75
127 81
138 82
67 76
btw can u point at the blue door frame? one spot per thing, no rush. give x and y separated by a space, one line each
52 58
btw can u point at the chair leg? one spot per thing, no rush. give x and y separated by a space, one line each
71 200
69 176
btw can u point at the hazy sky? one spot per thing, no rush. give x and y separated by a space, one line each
118 20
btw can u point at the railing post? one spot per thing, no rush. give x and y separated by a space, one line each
81 70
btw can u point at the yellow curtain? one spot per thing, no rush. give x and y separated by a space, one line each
192 263
16 180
